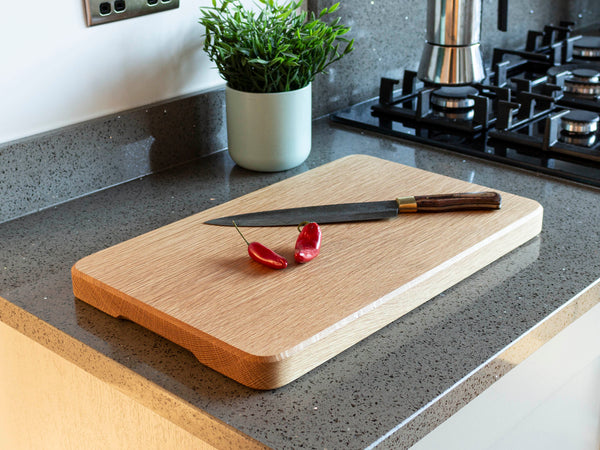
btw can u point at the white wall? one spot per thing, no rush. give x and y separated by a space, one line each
56 71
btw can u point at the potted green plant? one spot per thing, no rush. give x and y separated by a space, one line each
269 57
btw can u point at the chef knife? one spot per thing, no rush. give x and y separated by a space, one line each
355 212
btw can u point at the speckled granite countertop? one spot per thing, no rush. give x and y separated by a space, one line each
387 390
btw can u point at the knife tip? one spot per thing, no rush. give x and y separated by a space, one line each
217 222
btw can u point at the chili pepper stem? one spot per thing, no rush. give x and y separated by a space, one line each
238 230
301 225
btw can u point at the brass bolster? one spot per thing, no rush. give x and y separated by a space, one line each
406 204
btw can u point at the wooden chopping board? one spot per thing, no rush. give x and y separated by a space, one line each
195 284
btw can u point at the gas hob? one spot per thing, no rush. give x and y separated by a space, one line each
538 107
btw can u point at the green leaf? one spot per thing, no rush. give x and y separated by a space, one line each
258 61
334 7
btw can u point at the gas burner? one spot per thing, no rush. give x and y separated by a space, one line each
454 102
583 82
582 79
579 127
580 122
454 97
459 108
587 47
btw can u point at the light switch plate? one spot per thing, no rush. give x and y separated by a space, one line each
103 11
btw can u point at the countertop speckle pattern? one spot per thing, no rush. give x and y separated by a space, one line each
356 398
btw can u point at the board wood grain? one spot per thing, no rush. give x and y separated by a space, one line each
194 283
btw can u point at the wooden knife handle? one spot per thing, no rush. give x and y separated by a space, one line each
450 202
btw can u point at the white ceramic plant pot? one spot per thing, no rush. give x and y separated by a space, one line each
269 132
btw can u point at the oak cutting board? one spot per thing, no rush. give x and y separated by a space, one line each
195 284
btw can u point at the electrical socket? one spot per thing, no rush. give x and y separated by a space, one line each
103 11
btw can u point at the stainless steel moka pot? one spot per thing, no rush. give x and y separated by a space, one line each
452 53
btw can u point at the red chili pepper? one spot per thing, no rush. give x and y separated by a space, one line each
263 255
308 244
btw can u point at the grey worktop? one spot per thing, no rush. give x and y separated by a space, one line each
360 395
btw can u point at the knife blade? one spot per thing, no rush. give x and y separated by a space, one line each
364 211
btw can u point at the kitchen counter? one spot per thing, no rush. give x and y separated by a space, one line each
387 391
